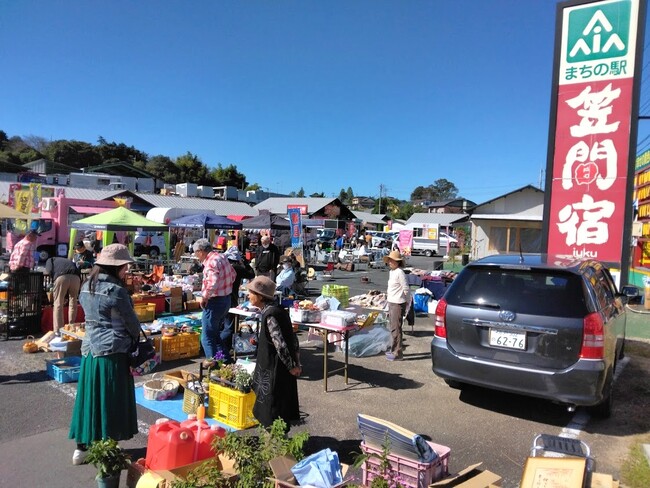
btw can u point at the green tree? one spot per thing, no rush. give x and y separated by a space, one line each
439 191
301 193
119 152
350 194
253 187
405 211
228 176
76 154
4 140
318 195
343 195
191 169
162 167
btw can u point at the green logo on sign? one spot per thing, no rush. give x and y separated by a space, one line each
599 32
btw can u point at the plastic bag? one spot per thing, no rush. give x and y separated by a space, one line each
421 303
369 342
321 470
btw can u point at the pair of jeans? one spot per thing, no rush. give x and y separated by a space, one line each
214 313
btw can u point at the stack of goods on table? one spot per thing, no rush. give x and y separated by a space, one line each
373 299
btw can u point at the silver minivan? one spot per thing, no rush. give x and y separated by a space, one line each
537 325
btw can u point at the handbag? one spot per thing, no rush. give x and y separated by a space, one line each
143 357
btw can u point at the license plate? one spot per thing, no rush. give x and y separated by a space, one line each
511 340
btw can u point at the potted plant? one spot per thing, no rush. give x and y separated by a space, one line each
109 459
243 380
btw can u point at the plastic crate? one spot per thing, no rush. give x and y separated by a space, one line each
64 370
340 292
231 407
146 312
180 346
412 474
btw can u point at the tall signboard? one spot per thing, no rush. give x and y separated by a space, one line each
592 136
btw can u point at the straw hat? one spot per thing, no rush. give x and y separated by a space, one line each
114 255
263 286
394 255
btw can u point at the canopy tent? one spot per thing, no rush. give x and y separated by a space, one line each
206 221
117 219
7 212
266 221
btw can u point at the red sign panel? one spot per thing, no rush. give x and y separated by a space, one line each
587 212
302 208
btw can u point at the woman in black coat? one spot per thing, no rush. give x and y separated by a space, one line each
275 379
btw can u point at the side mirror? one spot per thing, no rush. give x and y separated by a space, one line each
630 291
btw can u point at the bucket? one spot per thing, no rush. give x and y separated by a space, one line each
169 446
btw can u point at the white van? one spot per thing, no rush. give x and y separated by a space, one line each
151 243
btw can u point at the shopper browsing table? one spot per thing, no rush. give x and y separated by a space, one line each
267 258
398 296
243 271
105 402
83 258
218 278
278 358
22 255
66 279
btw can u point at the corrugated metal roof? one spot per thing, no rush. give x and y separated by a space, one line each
219 207
369 218
435 218
278 205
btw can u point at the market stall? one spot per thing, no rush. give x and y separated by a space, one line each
112 222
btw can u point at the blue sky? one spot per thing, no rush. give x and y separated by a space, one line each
321 95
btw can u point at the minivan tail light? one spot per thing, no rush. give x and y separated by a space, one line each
441 319
593 337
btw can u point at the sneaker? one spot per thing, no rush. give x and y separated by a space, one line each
79 457
393 357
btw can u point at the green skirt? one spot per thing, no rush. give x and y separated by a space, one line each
105 403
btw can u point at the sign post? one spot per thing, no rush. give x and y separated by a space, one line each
594 111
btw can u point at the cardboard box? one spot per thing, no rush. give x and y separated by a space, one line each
284 478
470 477
192 306
176 292
601 480
567 472
175 304
163 478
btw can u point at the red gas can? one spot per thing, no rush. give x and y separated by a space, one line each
206 436
169 445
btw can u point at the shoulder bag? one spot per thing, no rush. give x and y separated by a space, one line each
143 357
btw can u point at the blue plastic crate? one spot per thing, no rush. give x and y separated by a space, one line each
64 370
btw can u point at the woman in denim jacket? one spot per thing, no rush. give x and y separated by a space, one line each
105 403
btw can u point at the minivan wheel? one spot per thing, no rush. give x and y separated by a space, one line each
153 252
428 253
604 409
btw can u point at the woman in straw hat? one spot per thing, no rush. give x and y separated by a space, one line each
278 358
105 403
398 296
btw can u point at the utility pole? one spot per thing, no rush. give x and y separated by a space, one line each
381 194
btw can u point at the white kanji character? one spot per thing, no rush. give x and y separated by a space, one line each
590 230
588 170
596 108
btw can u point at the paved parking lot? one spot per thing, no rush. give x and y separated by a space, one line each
478 425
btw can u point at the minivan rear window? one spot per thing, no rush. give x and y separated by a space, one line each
538 292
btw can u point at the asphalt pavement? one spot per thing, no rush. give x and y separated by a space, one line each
495 429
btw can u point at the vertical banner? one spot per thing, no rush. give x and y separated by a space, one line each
295 221
405 240
593 124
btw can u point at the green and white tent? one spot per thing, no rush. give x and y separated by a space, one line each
119 219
